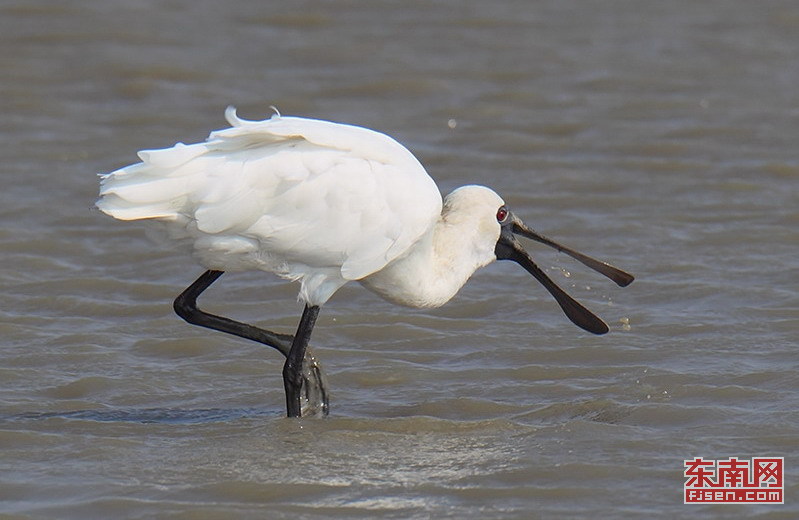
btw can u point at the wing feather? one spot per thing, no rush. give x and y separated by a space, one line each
323 202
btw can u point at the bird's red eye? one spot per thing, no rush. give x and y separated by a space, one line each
502 214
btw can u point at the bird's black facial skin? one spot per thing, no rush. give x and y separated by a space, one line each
508 248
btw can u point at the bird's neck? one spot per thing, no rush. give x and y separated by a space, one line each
434 269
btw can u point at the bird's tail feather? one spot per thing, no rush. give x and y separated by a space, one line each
156 188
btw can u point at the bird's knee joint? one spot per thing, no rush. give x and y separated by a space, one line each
292 375
185 309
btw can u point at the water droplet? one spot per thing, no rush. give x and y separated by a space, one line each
625 323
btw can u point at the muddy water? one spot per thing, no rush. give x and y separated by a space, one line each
660 136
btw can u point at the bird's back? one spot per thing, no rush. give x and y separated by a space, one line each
310 200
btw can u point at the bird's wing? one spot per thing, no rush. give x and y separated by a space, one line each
303 193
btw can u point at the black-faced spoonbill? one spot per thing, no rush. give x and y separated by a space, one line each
323 204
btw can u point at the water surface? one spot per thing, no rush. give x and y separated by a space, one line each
660 136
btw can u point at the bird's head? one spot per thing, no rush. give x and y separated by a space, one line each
498 226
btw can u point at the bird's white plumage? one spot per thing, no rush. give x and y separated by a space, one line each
323 203
315 201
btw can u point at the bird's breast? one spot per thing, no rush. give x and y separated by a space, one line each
417 279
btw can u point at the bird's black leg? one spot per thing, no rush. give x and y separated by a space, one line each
312 382
186 307
293 368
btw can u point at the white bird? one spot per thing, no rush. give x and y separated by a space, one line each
323 204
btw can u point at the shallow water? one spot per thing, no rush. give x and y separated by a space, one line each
660 136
